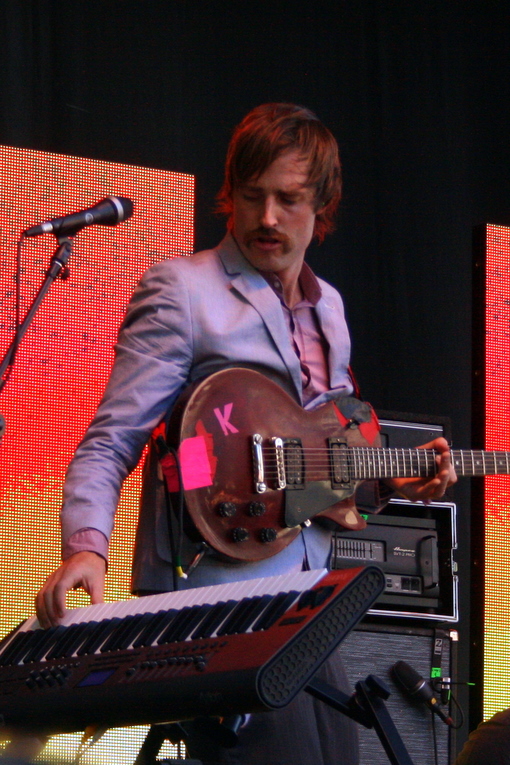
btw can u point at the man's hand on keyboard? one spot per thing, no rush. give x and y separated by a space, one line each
84 569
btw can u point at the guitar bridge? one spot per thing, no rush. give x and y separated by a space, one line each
339 463
280 463
286 468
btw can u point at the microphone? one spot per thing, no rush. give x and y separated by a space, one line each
108 212
418 688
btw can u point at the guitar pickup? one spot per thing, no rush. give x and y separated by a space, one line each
339 463
294 463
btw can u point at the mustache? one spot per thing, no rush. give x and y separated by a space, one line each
269 233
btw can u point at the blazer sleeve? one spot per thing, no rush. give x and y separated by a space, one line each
152 359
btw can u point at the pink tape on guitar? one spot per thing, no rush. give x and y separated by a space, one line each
195 466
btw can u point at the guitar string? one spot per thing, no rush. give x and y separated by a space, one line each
379 462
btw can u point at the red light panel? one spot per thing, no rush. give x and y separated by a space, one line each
64 360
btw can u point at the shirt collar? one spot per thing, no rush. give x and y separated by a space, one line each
308 281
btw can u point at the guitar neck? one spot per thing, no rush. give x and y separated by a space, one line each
368 462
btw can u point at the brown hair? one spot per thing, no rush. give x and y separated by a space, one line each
269 131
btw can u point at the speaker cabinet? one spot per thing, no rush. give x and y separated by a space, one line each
373 649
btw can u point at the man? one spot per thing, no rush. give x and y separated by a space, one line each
250 302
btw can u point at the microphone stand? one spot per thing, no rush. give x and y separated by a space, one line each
57 264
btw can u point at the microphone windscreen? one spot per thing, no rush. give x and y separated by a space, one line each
412 682
406 676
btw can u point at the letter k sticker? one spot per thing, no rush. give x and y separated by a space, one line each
223 419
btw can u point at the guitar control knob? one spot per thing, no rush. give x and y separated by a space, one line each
227 509
239 534
256 508
268 535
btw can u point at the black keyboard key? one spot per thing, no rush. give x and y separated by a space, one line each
79 637
98 636
44 644
65 640
134 629
115 634
275 609
128 627
24 648
15 647
157 624
195 618
179 625
252 612
232 624
213 619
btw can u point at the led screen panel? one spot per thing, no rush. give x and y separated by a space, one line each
64 360
497 488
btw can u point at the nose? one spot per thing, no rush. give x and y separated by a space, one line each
268 213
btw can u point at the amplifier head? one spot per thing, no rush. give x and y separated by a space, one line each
414 546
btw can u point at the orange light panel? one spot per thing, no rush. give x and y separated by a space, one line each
497 488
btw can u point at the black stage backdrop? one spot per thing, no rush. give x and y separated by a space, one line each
417 93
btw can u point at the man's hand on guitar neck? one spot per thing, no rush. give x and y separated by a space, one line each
83 569
428 489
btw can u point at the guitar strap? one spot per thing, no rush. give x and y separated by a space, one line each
355 410
355 385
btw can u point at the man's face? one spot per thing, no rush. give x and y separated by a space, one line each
273 216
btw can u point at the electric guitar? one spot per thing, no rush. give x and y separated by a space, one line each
255 466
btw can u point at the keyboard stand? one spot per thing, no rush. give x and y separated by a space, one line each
365 707
224 734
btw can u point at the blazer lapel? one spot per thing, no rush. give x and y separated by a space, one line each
328 319
254 288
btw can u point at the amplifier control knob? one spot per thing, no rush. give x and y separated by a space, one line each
268 535
227 509
239 534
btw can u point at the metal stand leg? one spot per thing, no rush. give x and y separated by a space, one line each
201 729
154 740
367 708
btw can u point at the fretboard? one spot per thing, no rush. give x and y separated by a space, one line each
368 462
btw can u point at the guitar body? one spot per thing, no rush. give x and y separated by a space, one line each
214 425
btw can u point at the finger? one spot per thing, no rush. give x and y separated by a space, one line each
96 589
60 590
41 611
49 609
52 598
44 603
441 445
445 471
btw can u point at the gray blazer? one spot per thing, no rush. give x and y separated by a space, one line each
188 318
